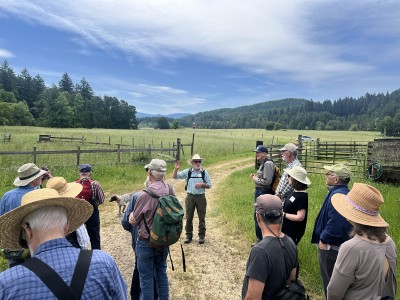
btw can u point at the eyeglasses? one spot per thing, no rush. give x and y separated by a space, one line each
330 174
196 161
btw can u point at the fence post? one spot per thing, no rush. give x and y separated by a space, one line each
178 149
318 149
257 163
192 146
34 155
78 156
233 147
118 153
149 151
334 153
300 145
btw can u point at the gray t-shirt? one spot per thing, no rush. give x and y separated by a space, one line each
268 264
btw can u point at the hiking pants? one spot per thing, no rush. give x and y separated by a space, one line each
93 227
327 259
193 202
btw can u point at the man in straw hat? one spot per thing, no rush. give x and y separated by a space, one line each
80 237
268 269
41 223
197 181
289 155
29 177
331 229
366 265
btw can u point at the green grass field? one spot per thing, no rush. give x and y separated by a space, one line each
216 146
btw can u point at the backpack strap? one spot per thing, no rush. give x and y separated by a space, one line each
55 283
203 175
153 194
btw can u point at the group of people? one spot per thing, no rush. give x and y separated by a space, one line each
45 233
54 224
357 257
43 238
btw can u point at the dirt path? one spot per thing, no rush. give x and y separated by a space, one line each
215 270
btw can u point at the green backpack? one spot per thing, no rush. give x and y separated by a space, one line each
167 221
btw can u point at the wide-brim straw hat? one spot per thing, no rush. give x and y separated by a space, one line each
78 211
195 157
300 174
28 173
361 205
64 188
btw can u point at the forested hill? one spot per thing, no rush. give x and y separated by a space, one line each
369 112
25 100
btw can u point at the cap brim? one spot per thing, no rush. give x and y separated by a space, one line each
344 208
78 211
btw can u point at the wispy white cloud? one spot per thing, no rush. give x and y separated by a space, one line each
320 45
5 53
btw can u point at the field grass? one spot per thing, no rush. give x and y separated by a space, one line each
235 204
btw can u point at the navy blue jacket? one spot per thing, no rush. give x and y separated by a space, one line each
330 226
125 219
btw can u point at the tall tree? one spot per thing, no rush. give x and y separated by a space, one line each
8 80
65 84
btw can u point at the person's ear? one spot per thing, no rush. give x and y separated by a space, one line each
66 228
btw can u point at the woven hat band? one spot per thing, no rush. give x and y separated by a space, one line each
30 176
361 209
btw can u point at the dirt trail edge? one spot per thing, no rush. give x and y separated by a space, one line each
214 270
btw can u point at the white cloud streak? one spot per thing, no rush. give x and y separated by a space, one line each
301 41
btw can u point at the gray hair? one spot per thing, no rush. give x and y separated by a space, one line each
158 175
47 218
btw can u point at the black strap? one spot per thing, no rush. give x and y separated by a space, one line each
55 283
81 271
203 175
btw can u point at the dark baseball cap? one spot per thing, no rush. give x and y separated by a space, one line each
85 168
261 148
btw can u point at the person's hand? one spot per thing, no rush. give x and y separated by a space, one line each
132 219
199 185
252 175
177 164
323 246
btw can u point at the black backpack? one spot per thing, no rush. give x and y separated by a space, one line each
203 174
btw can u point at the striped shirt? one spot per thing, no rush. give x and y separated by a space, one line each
104 280
195 178
284 188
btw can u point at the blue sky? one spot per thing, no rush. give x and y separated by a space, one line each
190 56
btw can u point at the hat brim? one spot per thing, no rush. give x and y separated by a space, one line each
344 208
19 182
305 181
78 211
189 161
73 190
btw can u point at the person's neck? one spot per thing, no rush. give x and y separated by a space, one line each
273 230
42 237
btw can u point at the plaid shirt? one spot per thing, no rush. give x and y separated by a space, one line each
284 188
104 280
97 193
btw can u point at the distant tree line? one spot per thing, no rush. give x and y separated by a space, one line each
25 100
379 112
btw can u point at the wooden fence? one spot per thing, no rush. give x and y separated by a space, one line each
313 155
117 155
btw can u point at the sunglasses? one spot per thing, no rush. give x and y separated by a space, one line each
196 161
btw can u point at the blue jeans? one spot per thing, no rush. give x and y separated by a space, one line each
152 264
